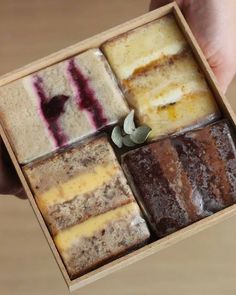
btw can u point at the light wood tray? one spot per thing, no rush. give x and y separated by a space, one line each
97 41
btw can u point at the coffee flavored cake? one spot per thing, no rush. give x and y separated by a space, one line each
60 104
160 77
87 205
182 179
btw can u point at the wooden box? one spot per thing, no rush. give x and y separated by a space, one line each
96 41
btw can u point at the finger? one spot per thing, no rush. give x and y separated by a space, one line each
21 193
158 3
222 65
9 181
224 76
16 190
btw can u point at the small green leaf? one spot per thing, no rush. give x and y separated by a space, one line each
129 126
116 136
140 134
127 141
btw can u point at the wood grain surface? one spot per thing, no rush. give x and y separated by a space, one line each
203 264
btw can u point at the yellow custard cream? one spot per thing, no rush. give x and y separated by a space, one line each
65 239
78 185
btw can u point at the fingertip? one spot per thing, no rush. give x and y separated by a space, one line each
224 76
20 193
15 190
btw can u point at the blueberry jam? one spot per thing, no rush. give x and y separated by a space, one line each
86 98
51 109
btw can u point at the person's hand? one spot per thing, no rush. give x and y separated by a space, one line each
9 181
213 23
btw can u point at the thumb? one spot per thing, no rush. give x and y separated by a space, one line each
9 181
224 75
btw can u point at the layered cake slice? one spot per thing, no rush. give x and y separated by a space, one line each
161 78
182 179
102 238
87 204
60 104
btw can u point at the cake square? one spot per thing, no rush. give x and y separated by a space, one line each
182 179
160 78
60 104
87 205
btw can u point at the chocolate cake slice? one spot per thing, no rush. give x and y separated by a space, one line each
160 78
182 179
60 105
87 204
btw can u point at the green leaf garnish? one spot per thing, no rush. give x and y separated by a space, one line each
116 136
130 135
140 134
127 141
129 126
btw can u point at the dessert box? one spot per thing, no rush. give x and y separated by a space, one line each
33 179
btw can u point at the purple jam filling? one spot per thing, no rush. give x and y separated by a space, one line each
50 110
86 98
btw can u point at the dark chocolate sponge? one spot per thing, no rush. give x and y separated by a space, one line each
182 179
